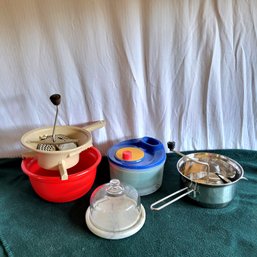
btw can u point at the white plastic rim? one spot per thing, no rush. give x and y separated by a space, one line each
84 137
116 235
50 160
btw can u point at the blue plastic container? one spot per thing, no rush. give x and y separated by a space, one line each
139 163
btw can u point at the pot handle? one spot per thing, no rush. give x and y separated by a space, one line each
172 201
95 125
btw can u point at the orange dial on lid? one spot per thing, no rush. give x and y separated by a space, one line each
130 154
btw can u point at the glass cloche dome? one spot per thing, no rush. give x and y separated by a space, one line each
115 211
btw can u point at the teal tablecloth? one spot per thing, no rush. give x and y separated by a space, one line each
30 226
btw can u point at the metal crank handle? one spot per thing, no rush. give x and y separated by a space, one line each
169 196
56 100
191 159
171 146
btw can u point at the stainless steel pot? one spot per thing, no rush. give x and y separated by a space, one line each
213 193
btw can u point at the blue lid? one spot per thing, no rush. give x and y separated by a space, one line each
149 153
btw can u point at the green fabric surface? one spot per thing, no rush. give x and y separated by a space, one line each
30 226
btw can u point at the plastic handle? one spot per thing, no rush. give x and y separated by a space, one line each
95 125
55 99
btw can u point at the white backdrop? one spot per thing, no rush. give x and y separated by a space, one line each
173 70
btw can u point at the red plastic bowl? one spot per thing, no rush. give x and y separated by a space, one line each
48 184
